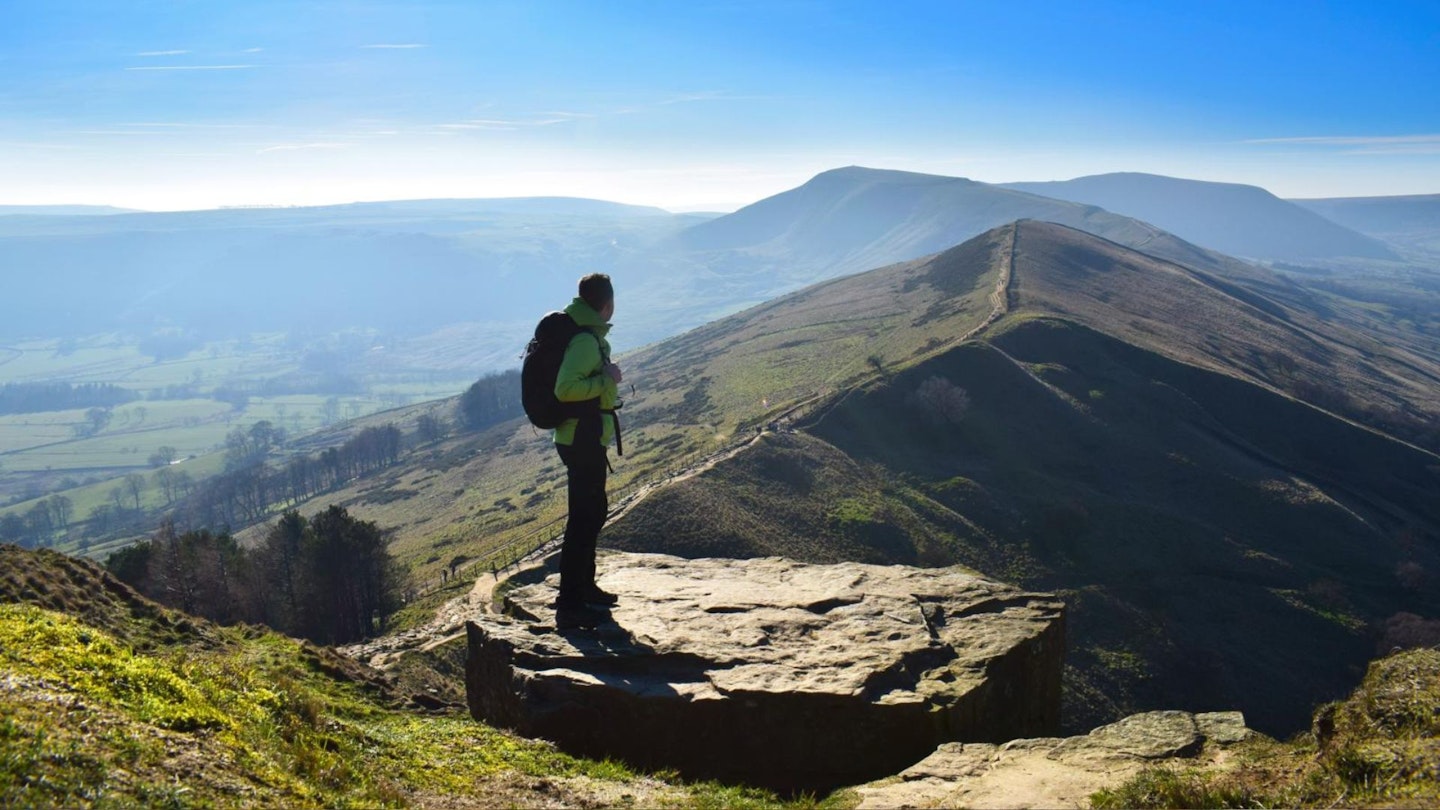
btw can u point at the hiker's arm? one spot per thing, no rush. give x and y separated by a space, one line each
575 383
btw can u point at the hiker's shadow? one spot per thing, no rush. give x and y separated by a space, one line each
608 639
615 657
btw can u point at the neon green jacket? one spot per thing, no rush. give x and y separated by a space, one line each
582 373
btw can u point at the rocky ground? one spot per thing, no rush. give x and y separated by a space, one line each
770 671
1058 772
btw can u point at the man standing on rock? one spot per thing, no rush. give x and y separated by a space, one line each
583 442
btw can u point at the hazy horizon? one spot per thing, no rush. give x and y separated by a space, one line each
716 208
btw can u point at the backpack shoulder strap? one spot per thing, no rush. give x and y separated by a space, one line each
604 354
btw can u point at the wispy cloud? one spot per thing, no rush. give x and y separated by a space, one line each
125 132
543 120
194 67
162 53
689 98
397 46
169 125
291 147
1364 144
35 145
550 118
686 98
252 50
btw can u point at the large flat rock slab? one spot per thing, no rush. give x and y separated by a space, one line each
773 672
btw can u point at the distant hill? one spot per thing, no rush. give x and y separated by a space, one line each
486 269
1411 220
408 267
857 218
1235 219
62 210
426 216
1175 447
423 267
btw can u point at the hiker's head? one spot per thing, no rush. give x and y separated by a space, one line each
596 291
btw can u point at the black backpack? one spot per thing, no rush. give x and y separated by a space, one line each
541 366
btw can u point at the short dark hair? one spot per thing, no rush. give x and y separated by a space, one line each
596 290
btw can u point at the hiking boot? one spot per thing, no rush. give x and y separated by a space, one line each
594 595
578 617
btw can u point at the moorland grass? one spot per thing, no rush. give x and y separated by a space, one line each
1380 747
251 721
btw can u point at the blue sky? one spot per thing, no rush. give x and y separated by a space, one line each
686 105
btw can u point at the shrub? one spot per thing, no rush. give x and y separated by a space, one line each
940 401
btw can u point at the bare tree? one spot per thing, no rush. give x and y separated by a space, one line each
162 456
165 479
184 483
101 520
429 428
62 509
135 485
38 524
940 401
12 528
96 420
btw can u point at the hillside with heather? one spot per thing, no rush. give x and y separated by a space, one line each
111 700
1224 474
1159 442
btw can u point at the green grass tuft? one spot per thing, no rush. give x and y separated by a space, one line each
1165 787
86 720
1379 747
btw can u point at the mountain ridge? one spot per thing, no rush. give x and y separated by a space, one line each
1101 436
1232 218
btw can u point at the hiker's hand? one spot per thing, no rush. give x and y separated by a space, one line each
614 373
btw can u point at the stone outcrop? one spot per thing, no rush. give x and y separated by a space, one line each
773 672
1050 772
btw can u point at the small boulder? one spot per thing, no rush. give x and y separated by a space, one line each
1050 772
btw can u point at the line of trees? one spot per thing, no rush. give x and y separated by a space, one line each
52 396
37 526
491 400
329 578
249 489
238 393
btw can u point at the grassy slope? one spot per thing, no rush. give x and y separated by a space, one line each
1380 747
1207 310
1221 545
107 700
694 394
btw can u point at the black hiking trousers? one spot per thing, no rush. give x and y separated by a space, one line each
585 468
